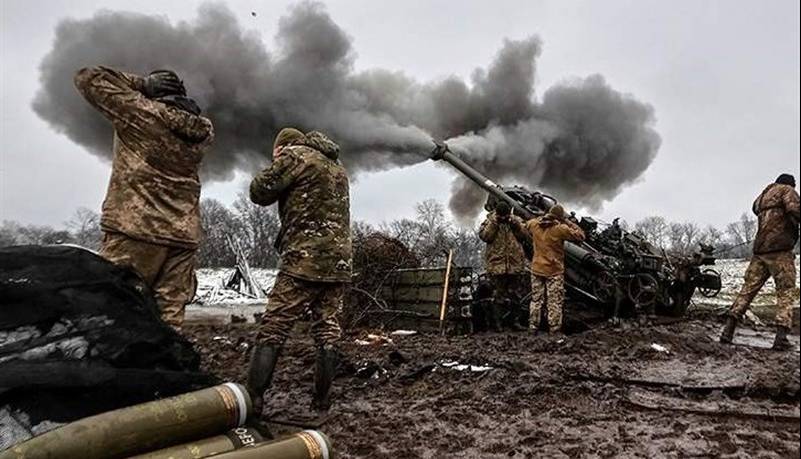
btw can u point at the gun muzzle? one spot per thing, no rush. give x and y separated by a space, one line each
440 148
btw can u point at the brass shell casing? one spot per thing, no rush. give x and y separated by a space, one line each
309 444
141 428
240 437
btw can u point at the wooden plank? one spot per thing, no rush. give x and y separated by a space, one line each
444 306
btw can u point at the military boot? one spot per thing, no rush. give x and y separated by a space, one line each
781 343
728 331
324 373
260 374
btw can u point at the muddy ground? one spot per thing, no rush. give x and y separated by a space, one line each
606 392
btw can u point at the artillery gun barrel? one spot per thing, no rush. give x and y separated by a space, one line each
582 253
443 153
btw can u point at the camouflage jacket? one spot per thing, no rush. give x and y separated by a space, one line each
312 191
504 254
549 236
154 188
777 209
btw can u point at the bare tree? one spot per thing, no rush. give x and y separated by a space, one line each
654 229
9 233
85 228
713 236
408 232
741 234
259 228
218 223
468 249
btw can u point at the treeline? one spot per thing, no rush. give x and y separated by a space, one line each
429 235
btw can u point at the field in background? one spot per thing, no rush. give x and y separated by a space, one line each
211 291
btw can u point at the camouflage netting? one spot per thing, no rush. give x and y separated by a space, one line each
79 336
374 255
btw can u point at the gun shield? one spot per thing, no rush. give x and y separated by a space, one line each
141 428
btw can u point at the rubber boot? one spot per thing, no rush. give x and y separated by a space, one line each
781 343
260 374
728 331
324 374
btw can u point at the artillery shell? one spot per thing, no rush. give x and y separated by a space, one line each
141 428
309 444
240 437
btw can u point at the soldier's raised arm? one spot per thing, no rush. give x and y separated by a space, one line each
570 231
117 95
489 228
267 185
520 228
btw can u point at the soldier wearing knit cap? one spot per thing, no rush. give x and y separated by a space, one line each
311 188
778 210
549 234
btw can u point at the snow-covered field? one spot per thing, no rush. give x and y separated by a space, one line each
731 272
211 289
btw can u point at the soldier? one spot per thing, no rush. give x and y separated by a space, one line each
549 234
311 188
150 217
506 264
777 210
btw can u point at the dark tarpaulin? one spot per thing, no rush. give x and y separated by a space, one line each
79 336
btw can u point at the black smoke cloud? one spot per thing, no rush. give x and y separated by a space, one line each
584 141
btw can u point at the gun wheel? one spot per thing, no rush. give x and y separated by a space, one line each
605 286
643 289
707 290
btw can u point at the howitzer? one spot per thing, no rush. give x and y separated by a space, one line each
612 268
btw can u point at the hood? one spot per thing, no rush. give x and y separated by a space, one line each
321 143
548 220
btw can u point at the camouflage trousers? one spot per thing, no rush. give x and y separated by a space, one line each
548 293
168 271
508 292
780 266
291 298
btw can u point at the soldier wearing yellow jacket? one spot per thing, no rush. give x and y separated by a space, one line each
549 234
150 217
311 189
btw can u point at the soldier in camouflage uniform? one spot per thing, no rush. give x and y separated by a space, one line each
777 210
312 191
549 234
150 217
506 264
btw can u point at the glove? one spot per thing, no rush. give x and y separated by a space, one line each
162 83
184 103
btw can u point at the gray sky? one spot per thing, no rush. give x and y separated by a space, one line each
723 77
